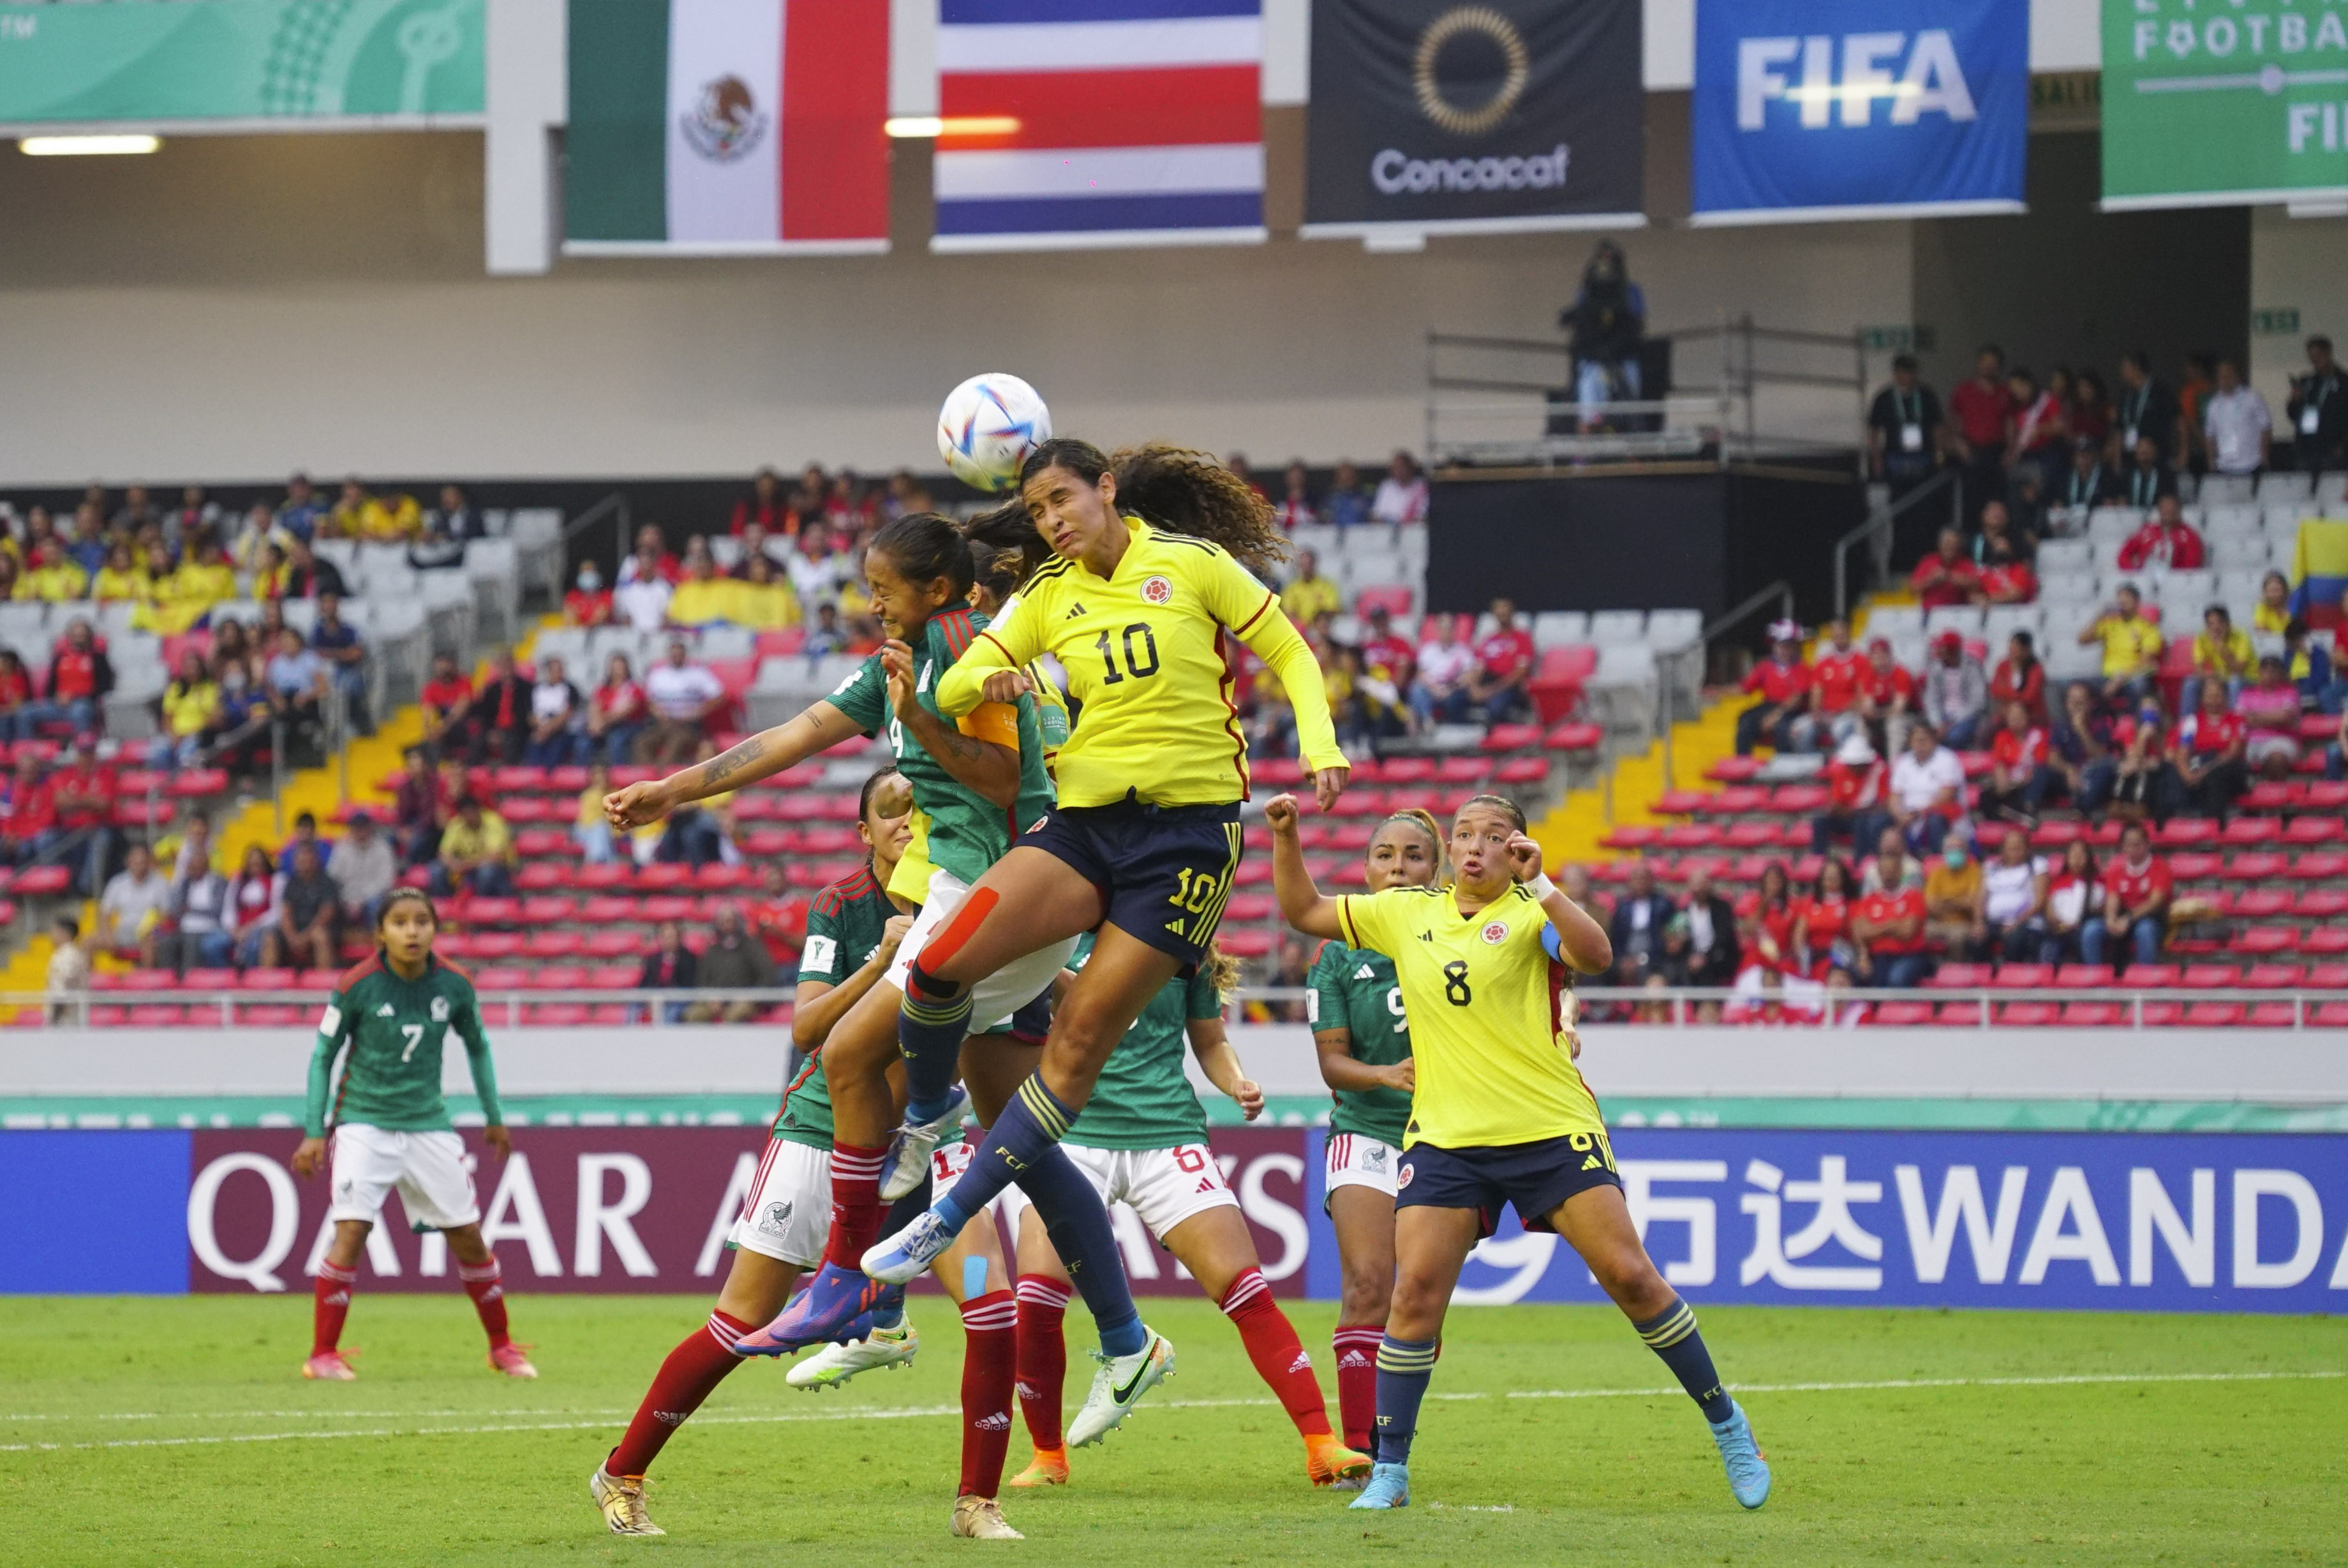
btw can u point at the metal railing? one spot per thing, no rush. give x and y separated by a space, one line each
1876 531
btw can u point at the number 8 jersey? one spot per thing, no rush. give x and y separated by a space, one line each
396 1031
1488 1034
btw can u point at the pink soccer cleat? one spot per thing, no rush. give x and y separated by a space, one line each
329 1367
508 1359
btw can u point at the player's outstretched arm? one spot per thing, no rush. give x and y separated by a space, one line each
1275 640
1301 904
769 752
1582 940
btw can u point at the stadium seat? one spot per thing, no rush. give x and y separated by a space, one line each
2275 977
2262 940
492 912
1959 978
544 876
2023 977
1903 1013
2209 978
2313 830
498 944
2329 941
1574 737
2028 1015
2083 977
260 980
2214 1015
552 944
2093 1015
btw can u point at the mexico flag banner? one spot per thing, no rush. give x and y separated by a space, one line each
721 127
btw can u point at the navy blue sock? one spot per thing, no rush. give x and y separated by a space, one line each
1030 1126
1078 1225
930 1030
1404 1368
1672 1334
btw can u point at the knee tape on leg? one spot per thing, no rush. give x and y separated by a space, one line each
923 987
943 948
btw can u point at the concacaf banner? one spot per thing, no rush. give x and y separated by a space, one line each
150 63
2208 103
727 127
1830 109
1433 118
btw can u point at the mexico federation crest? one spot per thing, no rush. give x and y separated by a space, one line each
724 123
1496 933
777 1219
439 1010
1157 590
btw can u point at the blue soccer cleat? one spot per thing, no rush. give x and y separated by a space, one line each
901 1257
910 1146
1388 1487
821 1313
1748 1469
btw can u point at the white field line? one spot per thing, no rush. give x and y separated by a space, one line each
917 1411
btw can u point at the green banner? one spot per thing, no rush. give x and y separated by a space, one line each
151 60
2219 102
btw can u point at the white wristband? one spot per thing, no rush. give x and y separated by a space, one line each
1541 887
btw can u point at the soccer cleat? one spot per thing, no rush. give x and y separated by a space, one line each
836 1364
1048 1468
622 1498
1331 1463
901 1257
1747 1466
910 1146
1118 1386
1389 1487
508 1359
819 1315
978 1518
329 1367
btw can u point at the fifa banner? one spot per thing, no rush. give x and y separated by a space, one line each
1082 124
1809 110
389 61
2210 105
725 128
1474 119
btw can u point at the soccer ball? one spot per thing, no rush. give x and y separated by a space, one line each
988 426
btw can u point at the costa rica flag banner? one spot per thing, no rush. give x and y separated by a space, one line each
1091 124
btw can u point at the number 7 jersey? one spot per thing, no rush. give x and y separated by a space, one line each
1490 1046
396 1031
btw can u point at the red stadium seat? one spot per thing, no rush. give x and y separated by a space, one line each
1683 802
208 980
1799 800
493 911
665 907
545 910
2259 940
2093 1015
2322 903
1511 738
2258 865
1574 737
267 980
1959 976
557 1015
487 945
2328 943
1734 770
2209 978
2330 1015
505 977
2326 794
2275 977
622 943
2195 865
2023 977
558 977
552 944
544 876
613 977
2184 832
2273 1015
663 876
275 1015
2083 977
41 882
1394 598
1247 942
2246 831
1740 800
1903 1013
1278 772
1693 835
2214 1015
2312 830
1425 770
2028 1015
2271 795
719 878
1522 771
1632 836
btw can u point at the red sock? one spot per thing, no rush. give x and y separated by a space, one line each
1357 1381
856 1206
486 1285
1043 1357
693 1369
334 1305
989 1367
1279 1357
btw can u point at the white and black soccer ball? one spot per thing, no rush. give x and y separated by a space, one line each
988 427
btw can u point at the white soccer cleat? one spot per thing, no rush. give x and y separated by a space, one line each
622 1498
915 1142
979 1519
835 1364
1118 1386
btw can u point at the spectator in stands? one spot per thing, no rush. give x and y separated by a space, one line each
2090 410
1822 920
2144 785
1386 654
2131 644
477 852
1606 328
52 575
1497 683
305 831
203 580
1956 691
2073 901
2207 751
734 960
2020 677
2307 665
1402 495
1782 718
2268 710
642 599
1886 697
2006 576
2335 755
2317 411
120 579
616 712
364 868
1715 952
80 677
1346 505
30 833
1310 594
1766 929
1856 781
196 931
12 579
337 641
671 966
300 511
1905 434
305 927
385 519
417 808
2021 778
1295 509
1953 905
1887 925
589 829
2273 613
1637 929
2014 901
448 703
87 793
296 686
2147 479
1927 790
817 571
1837 678
2093 481
2235 424
455 520
2166 540
1367 703
255 536
682 697
590 602
497 722
825 634
2149 411
1947 577
134 903
2223 649
1577 886
1980 407
558 719
1439 690
88 548
2136 897
251 904
763 506
1998 526
19 713
2038 431
311 576
2193 391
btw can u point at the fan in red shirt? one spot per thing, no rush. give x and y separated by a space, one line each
778 920
2136 889
2207 751
2021 678
80 675
30 828
1855 784
1887 691
1888 925
1504 663
1981 406
590 603
1383 650
1781 718
1822 916
18 716
445 697
2007 578
1946 577
2020 778
2166 539
1838 672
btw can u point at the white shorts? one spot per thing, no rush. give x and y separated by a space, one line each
1355 1161
787 1216
1164 1186
429 1169
1000 994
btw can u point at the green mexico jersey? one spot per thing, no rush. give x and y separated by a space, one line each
1354 989
965 834
1144 1099
394 1032
845 925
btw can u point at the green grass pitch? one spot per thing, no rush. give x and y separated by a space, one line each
1897 1437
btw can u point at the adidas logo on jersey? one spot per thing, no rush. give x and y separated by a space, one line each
1075 611
1428 936
1364 973
387 1010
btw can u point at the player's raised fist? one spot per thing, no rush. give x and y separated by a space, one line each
1279 813
1524 857
638 806
1007 686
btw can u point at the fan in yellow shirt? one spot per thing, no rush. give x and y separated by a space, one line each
188 595
121 579
54 576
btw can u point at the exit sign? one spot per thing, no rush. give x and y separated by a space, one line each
2278 322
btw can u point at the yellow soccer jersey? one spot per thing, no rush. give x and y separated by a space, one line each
1143 651
1493 1052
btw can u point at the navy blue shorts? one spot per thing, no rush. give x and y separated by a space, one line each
1164 871
1031 1024
1535 1177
